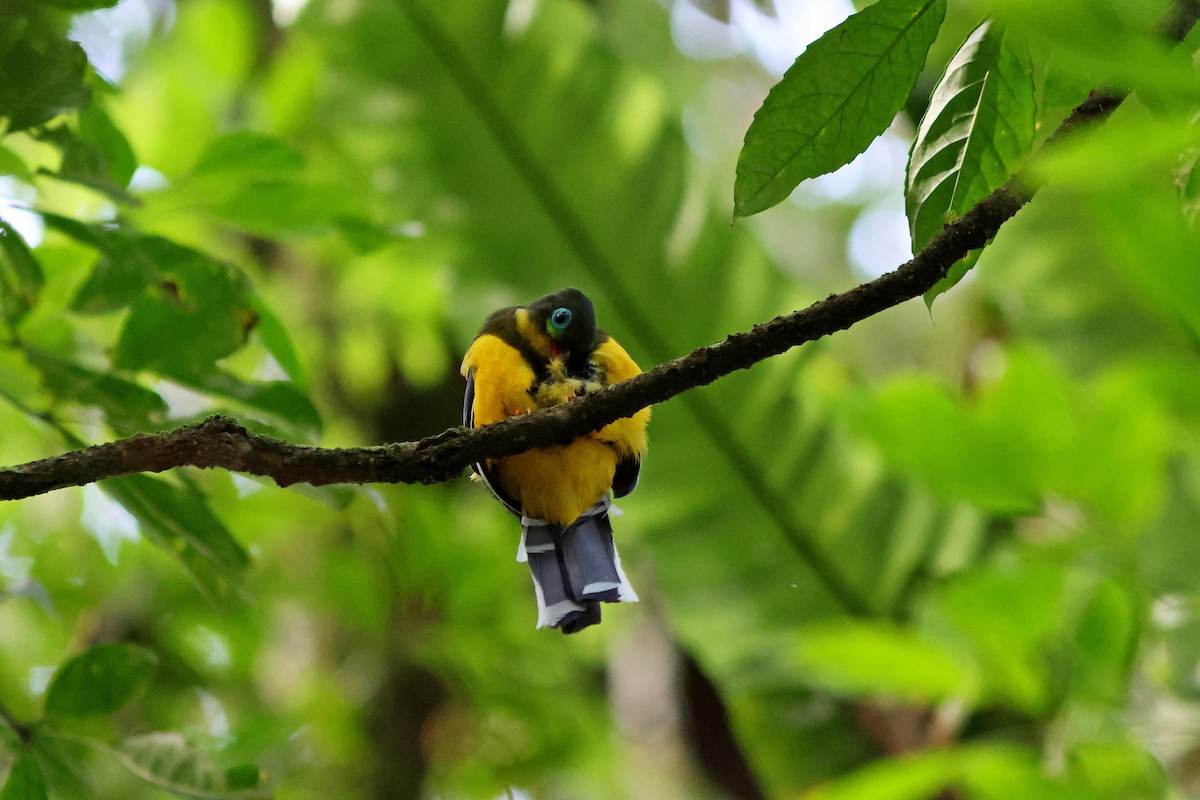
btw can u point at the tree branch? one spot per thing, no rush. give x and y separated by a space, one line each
221 442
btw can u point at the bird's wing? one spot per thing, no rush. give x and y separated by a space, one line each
625 479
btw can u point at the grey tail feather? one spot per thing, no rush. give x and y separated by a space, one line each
574 569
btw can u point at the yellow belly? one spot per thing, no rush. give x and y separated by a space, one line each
558 483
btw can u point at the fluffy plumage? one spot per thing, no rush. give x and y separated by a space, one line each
544 354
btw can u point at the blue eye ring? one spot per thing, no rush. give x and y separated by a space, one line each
559 319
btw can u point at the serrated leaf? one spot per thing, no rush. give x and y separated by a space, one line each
250 154
25 781
169 762
842 92
872 659
977 130
41 81
99 681
21 277
180 522
127 406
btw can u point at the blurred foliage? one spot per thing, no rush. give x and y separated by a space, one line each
299 213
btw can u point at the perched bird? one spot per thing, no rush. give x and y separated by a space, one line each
544 354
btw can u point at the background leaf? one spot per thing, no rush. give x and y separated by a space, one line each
180 522
248 153
978 128
167 761
25 781
198 302
99 681
97 129
874 660
21 276
127 405
45 79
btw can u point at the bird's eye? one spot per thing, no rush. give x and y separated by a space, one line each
560 319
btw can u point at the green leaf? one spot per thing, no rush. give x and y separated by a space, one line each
926 432
12 164
1007 617
978 128
41 82
180 521
21 278
125 270
200 313
25 781
114 284
88 163
989 772
1105 642
842 92
862 658
1119 769
243 776
281 207
169 762
99 681
362 234
1164 278
97 129
275 338
127 406
249 153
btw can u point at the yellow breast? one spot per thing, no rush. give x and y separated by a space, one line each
557 483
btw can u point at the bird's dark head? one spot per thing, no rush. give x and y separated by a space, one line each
568 319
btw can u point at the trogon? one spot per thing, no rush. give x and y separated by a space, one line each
543 354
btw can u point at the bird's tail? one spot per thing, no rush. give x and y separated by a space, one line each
574 569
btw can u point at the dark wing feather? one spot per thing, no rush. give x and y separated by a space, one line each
469 401
625 479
